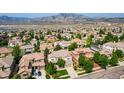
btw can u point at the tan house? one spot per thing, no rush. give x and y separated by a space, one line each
61 54
50 38
4 52
87 52
25 49
43 46
6 65
78 41
30 63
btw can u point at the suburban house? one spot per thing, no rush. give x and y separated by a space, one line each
43 46
78 41
4 52
14 42
110 46
50 38
6 65
27 49
30 63
87 52
63 44
61 54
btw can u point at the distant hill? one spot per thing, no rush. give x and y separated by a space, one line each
60 18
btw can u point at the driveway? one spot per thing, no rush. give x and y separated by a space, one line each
43 75
72 73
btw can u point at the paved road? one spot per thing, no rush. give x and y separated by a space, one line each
111 73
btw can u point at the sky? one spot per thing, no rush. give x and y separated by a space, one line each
32 15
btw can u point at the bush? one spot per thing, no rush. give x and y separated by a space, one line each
47 77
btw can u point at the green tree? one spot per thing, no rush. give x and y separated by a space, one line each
122 36
50 68
16 76
88 66
72 46
3 42
49 32
101 31
103 61
61 63
114 60
78 36
16 53
58 47
46 52
41 37
119 53
37 46
81 60
96 57
31 34
89 41
59 36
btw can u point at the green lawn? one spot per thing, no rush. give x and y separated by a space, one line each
62 72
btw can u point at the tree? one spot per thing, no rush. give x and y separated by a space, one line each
61 63
110 38
46 52
16 53
119 53
89 41
96 57
81 60
16 76
59 36
114 60
88 66
3 42
103 61
36 37
122 36
78 36
41 37
72 46
49 32
101 31
58 47
31 34
50 68
37 46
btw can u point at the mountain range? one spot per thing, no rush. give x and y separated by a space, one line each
60 18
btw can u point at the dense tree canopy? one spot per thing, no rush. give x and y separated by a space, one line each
3 42
119 53
72 46
88 66
103 61
58 47
61 63
16 53
114 60
89 41
81 60
78 36
50 68
122 37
